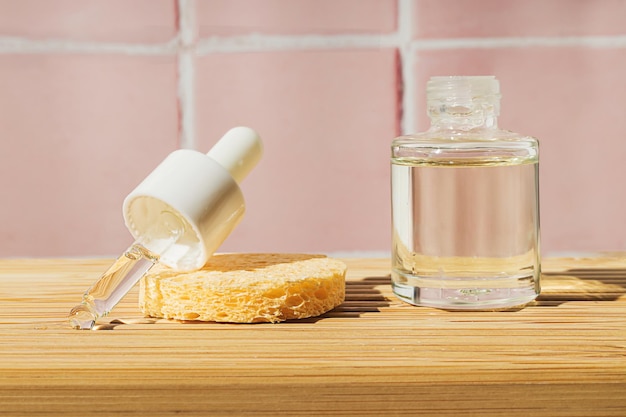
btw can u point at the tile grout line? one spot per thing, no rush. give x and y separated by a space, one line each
400 39
599 42
407 66
18 45
187 36
265 43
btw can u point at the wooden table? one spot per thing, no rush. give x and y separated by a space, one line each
373 356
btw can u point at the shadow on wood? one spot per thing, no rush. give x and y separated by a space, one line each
583 284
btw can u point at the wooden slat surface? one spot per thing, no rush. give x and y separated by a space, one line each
373 356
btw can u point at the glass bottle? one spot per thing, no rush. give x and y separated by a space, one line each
465 204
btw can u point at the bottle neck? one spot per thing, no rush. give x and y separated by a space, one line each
463 102
477 116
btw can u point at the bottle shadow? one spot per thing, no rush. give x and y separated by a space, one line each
583 284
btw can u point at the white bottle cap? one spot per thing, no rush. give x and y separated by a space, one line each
202 191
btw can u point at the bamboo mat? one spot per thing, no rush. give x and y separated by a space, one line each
565 355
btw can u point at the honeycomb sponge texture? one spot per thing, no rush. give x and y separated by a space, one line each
246 288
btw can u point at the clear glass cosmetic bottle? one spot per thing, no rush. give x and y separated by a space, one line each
465 204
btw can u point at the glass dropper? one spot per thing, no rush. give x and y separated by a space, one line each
179 215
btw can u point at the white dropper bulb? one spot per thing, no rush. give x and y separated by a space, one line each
179 215
239 150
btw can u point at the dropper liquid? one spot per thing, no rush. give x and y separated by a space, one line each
126 271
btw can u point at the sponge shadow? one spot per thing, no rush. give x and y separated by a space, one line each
362 296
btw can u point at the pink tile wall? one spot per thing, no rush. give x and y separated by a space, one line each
89 20
515 18
295 17
79 130
326 118
78 133
80 126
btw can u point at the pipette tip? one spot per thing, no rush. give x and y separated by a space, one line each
82 318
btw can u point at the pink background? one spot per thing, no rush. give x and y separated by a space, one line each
95 93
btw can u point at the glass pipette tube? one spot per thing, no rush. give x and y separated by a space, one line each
126 271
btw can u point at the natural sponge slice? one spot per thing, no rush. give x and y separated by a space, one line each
246 288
